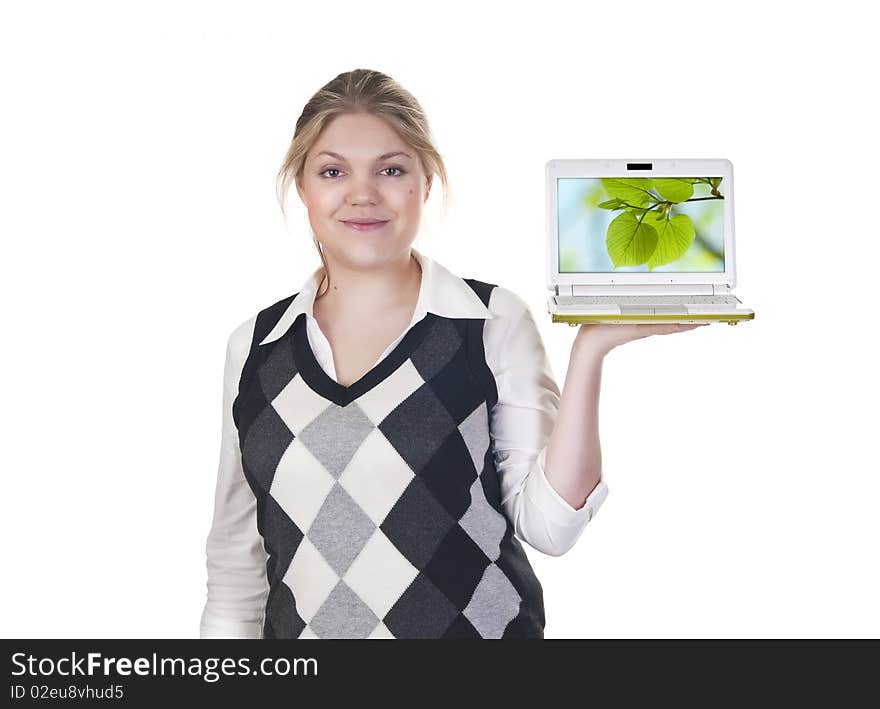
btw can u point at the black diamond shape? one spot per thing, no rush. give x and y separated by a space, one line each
528 624
457 567
263 444
422 611
277 370
418 427
443 341
462 629
515 565
456 388
417 523
282 621
449 475
251 400
281 537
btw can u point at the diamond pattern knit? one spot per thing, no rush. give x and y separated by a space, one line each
379 503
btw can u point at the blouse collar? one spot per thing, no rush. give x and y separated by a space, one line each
441 292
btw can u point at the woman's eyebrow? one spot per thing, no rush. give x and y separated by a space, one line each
384 156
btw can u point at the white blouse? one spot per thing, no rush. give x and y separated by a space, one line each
520 425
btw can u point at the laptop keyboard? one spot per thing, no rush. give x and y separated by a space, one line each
646 299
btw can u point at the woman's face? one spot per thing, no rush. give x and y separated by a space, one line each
358 182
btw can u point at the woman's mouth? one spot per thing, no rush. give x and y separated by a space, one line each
365 226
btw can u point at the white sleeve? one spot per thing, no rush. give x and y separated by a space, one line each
521 423
236 557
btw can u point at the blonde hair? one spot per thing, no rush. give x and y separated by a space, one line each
360 91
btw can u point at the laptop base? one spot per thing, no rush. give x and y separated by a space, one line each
731 318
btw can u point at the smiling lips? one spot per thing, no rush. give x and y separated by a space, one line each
365 224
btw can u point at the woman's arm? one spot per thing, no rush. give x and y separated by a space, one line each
574 457
521 422
235 555
573 463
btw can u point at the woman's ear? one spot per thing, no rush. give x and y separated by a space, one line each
299 191
430 179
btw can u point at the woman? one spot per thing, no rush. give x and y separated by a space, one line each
391 430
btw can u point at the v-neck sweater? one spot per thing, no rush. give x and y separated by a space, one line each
379 503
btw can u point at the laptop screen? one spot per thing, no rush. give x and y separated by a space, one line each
640 224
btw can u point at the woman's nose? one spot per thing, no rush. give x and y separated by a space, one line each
362 190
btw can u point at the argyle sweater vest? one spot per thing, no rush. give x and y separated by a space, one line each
379 503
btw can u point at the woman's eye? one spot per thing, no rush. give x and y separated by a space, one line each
395 168
329 169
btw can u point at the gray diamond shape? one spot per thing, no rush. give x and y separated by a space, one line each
344 615
494 604
323 441
475 432
341 529
483 523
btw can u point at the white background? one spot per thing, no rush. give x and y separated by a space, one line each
139 147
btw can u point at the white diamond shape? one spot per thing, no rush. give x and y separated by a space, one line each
380 401
380 574
310 578
376 476
298 405
381 632
300 484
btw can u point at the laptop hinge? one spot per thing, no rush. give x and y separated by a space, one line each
563 289
721 289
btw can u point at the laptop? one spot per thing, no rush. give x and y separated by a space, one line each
641 241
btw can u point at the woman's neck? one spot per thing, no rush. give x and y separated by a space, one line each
358 293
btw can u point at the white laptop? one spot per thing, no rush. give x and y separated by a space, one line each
641 241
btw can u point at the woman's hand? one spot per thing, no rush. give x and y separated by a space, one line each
604 337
